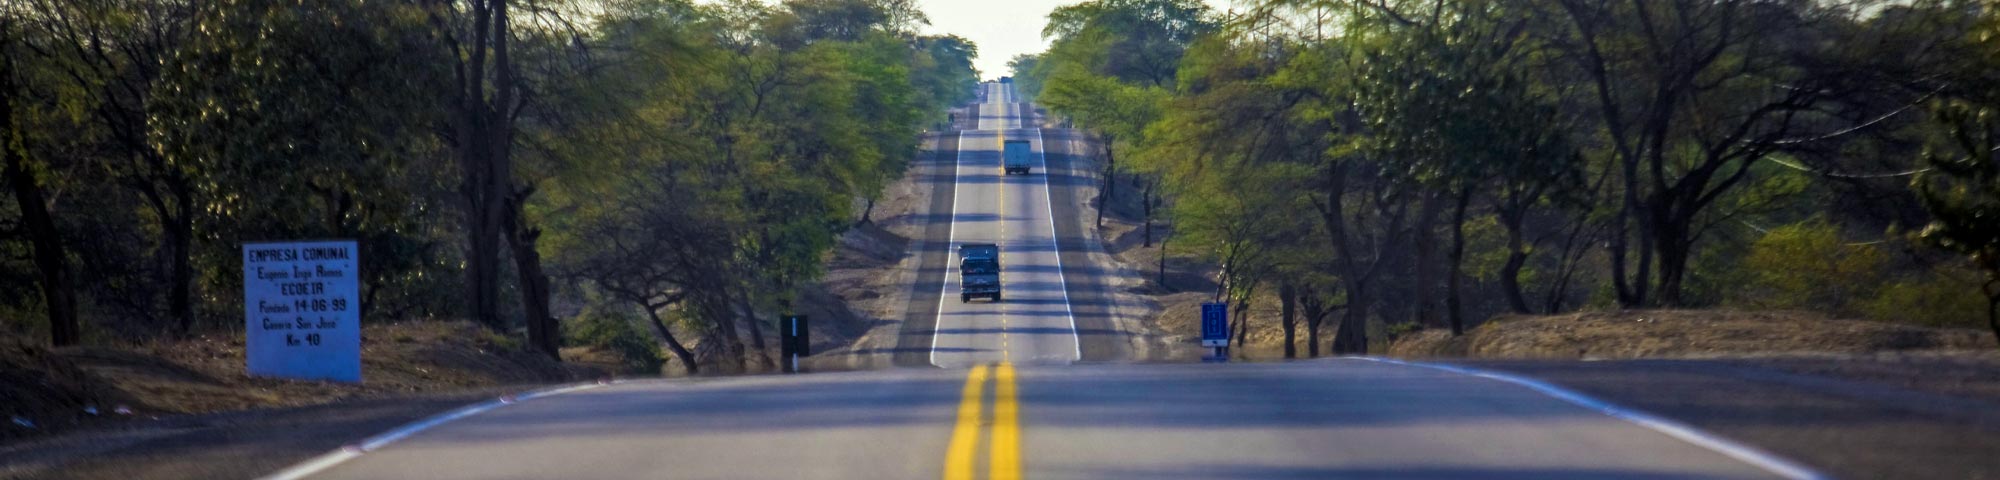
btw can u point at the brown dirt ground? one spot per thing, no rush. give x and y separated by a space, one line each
52 387
1851 416
1681 334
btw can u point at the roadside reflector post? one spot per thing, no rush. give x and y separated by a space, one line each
1215 331
796 341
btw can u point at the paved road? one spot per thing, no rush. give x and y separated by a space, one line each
1020 394
1056 308
1338 418
1033 322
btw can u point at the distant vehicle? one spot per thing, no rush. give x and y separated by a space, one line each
978 271
1014 156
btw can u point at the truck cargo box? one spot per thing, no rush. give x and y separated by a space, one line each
1014 156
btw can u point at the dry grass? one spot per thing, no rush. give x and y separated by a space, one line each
206 374
1682 333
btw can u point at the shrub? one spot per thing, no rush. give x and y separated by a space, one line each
616 332
1942 297
1808 265
1398 330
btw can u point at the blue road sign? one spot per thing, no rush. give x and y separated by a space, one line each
1215 324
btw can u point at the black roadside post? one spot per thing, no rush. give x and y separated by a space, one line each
796 341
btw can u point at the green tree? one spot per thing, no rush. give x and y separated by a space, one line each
113 90
1111 65
28 178
1689 96
749 137
329 147
1449 103
1962 189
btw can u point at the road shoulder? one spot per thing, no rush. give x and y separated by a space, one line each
241 444
1844 425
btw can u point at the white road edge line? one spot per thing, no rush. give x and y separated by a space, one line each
958 163
1056 243
328 460
1686 433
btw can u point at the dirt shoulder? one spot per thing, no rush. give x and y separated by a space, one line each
1858 416
186 409
239 444
1855 399
1682 333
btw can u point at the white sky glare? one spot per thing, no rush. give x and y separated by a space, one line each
1001 29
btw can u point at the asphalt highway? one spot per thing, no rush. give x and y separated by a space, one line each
1334 418
1016 389
1032 324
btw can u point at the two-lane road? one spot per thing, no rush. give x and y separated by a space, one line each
1033 322
1020 394
1336 418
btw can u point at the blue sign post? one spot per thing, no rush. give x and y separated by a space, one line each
302 310
1215 328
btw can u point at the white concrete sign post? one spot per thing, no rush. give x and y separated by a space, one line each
302 309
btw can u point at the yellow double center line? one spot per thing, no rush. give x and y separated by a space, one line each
1004 461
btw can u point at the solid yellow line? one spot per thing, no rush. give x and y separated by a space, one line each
964 449
1006 426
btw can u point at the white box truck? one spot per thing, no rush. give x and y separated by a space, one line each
1014 156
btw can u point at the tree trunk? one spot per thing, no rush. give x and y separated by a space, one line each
1351 338
1575 247
180 245
755 323
1517 257
482 275
1642 282
1631 288
51 259
1242 316
1110 183
1616 249
1288 298
483 137
482 255
544 332
1161 275
666 336
1315 314
1674 249
867 213
725 332
1993 307
1146 198
1453 305
1426 246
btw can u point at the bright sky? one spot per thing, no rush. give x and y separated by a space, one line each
1001 29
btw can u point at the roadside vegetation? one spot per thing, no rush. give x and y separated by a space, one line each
1382 168
652 179
53 390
